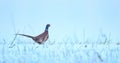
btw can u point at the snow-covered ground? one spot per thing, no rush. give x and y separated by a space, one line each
60 53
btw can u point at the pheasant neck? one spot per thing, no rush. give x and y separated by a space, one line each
46 29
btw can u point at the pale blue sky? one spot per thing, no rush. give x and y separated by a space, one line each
85 19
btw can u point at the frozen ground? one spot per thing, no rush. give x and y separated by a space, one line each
60 53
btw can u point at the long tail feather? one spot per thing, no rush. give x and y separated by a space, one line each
25 35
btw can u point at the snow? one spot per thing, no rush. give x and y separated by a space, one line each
60 53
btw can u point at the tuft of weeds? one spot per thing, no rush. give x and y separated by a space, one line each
118 43
12 43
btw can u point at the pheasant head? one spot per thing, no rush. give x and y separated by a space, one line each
47 26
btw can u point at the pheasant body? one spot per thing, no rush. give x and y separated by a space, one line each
40 38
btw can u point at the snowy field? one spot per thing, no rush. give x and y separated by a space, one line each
60 53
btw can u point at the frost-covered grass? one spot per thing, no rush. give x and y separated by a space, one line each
60 53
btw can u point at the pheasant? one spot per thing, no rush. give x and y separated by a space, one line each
41 38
